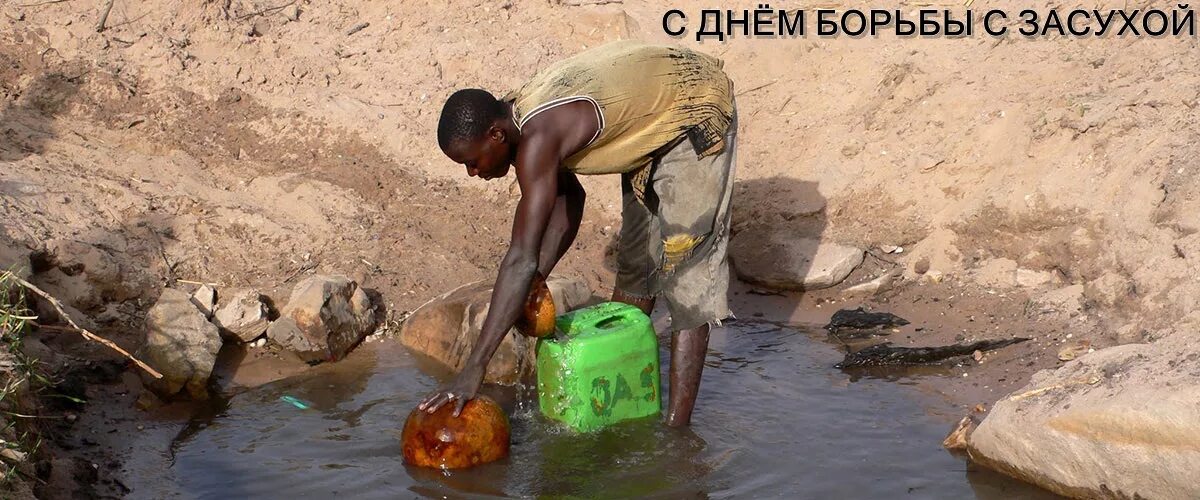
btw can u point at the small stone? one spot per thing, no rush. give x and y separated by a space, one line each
13 455
957 439
921 266
205 299
243 316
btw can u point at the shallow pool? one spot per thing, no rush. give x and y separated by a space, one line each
774 420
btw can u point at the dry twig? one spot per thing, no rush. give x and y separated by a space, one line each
266 11
104 16
39 4
83 331
747 91
357 27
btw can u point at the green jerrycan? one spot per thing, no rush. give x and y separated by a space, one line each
599 368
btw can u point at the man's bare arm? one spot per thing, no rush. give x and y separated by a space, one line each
547 141
564 222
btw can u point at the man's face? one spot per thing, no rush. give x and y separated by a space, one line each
488 157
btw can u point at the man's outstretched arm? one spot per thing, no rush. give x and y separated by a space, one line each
564 222
538 177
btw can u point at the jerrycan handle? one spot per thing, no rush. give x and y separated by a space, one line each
608 322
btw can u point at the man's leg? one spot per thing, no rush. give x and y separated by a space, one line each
694 197
688 350
635 251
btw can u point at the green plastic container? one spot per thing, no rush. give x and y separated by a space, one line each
599 368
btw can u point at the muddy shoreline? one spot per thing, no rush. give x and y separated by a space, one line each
111 427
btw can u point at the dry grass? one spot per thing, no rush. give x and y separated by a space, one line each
20 383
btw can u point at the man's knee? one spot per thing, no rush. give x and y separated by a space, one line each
643 302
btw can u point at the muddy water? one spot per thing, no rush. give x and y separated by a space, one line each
775 420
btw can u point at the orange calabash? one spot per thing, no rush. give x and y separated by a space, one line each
538 317
477 436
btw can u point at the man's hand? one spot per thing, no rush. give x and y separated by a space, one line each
464 388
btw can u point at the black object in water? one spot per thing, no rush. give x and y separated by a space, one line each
858 319
886 354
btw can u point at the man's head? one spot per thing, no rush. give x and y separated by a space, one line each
474 131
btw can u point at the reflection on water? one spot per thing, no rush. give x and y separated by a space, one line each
774 419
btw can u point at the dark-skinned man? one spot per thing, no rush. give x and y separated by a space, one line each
663 118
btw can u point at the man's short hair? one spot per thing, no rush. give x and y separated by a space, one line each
468 113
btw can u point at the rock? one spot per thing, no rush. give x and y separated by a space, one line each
957 439
1117 423
997 273
921 266
1029 278
1131 333
292 13
1109 289
205 299
775 259
1067 301
877 285
181 344
1075 350
446 328
242 316
325 317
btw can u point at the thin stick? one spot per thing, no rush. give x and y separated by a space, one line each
357 27
39 4
190 282
86 334
104 16
264 11
747 91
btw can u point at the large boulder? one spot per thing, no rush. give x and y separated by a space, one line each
1117 423
181 344
325 318
446 328
242 315
777 259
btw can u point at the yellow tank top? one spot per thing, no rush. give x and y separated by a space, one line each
646 95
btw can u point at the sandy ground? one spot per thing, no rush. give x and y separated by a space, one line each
253 147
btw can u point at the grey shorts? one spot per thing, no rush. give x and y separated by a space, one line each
675 243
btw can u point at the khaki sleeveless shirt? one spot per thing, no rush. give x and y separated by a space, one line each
646 97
